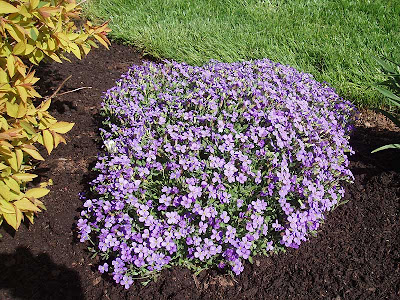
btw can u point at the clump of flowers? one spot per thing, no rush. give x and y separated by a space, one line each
209 166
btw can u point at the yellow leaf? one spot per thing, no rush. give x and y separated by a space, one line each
4 143
86 48
44 105
22 92
25 205
10 66
18 36
70 6
5 151
6 207
6 172
24 176
3 76
92 44
52 44
46 183
75 50
33 94
7 8
22 109
61 127
11 219
101 40
12 161
24 11
19 28
34 3
48 141
33 153
37 192
19 216
12 184
38 55
54 57
12 109
20 157
3 123
39 203
39 138
29 48
58 139
29 215
5 194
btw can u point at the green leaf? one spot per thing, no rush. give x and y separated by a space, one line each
28 127
390 146
395 100
385 65
34 33
42 3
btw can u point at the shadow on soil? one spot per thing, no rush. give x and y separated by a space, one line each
367 164
26 276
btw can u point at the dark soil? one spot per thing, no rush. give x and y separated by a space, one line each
354 256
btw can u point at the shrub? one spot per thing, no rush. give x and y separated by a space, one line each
209 166
31 31
390 88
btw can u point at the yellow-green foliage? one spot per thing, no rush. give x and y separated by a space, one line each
30 31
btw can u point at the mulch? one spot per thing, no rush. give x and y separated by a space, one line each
354 256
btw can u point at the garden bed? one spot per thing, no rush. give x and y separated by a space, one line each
354 256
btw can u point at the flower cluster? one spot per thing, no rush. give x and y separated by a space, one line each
209 166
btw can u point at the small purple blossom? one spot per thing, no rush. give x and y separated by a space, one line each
213 165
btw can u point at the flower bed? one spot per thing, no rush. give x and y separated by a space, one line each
209 166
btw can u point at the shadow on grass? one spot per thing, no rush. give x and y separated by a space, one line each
25 276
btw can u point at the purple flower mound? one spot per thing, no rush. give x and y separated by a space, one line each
209 166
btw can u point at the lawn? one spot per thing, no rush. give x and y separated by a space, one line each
333 40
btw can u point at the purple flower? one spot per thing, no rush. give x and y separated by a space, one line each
126 281
173 217
224 216
202 227
203 165
103 268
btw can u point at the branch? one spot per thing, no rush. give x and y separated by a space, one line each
74 90
59 87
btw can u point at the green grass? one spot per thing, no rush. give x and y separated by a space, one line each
333 39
